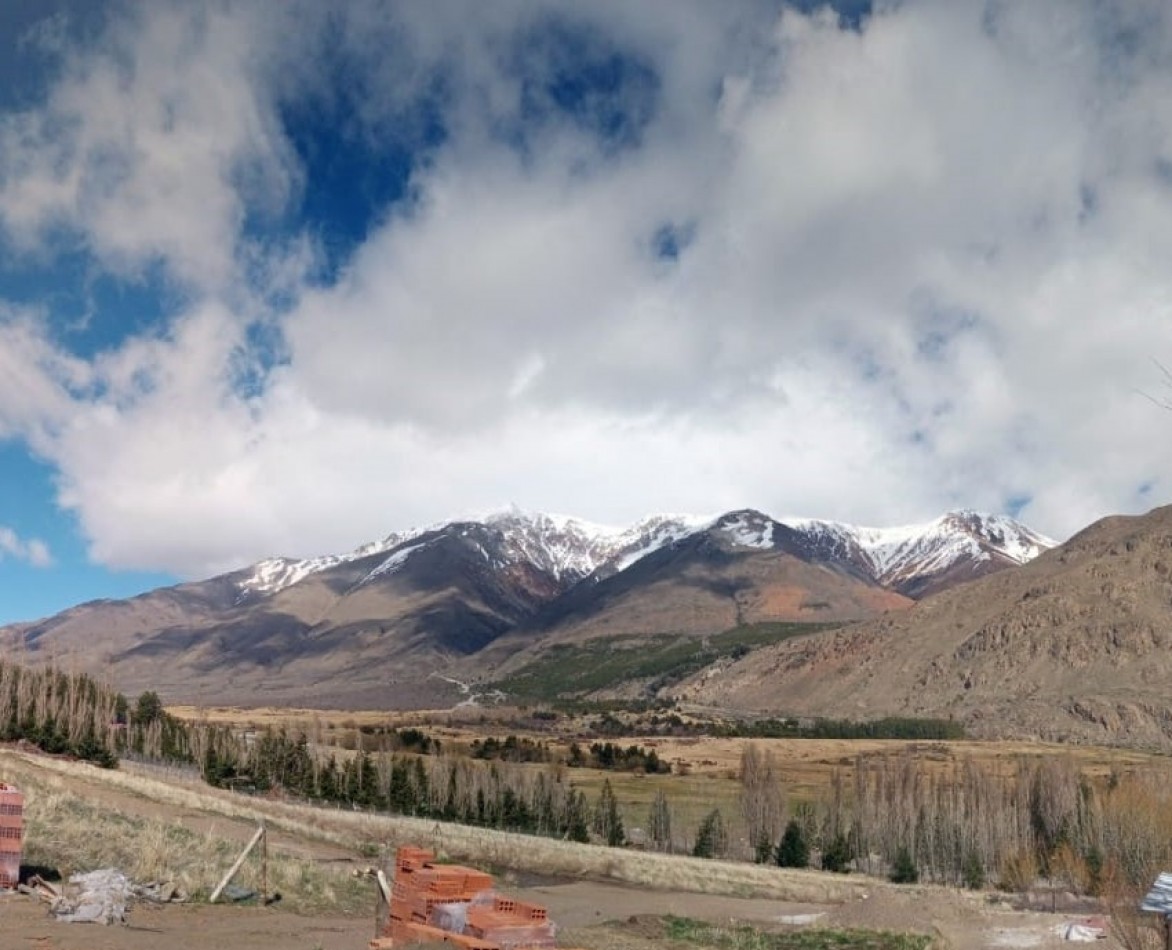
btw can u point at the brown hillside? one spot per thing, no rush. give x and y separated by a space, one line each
701 587
1076 645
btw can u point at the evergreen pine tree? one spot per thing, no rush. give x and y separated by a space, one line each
836 856
608 823
421 788
904 870
327 781
711 839
973 872
402 795
575 820
793 851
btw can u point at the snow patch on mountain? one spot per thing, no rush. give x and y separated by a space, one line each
747 529
650 535
394 562
277 573
272 575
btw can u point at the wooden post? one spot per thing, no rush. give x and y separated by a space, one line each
264 863
260 833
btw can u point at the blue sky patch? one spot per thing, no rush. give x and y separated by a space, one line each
28 507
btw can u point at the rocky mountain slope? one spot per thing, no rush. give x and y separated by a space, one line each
384 623
1075 645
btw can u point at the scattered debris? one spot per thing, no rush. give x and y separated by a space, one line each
236 893
1087 930
38 887
103 898
160 892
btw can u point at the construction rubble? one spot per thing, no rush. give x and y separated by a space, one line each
447 903
99 897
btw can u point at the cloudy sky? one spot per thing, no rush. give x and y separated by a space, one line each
282 278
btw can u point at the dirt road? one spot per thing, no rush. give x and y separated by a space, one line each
958 920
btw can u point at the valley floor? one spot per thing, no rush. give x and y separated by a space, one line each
592 913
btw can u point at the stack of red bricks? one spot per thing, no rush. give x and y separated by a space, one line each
422 911
11 834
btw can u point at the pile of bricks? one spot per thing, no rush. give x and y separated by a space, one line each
11 834
447 903
12 831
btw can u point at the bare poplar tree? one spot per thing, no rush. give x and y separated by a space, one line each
761 800
659 823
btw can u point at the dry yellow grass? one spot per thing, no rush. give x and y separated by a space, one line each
69 833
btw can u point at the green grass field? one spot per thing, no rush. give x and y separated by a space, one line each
569 671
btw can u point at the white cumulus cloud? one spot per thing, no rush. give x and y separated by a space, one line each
913 265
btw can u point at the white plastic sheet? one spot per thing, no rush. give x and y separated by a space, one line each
102 898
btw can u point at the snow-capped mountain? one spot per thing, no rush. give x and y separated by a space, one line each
911 559
920 558
375 624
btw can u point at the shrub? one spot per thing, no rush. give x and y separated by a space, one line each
836 856
1094 865
904 870
973 872
1019 871
711 839
793 851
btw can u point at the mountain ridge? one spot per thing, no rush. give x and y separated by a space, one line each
379 621
581 547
